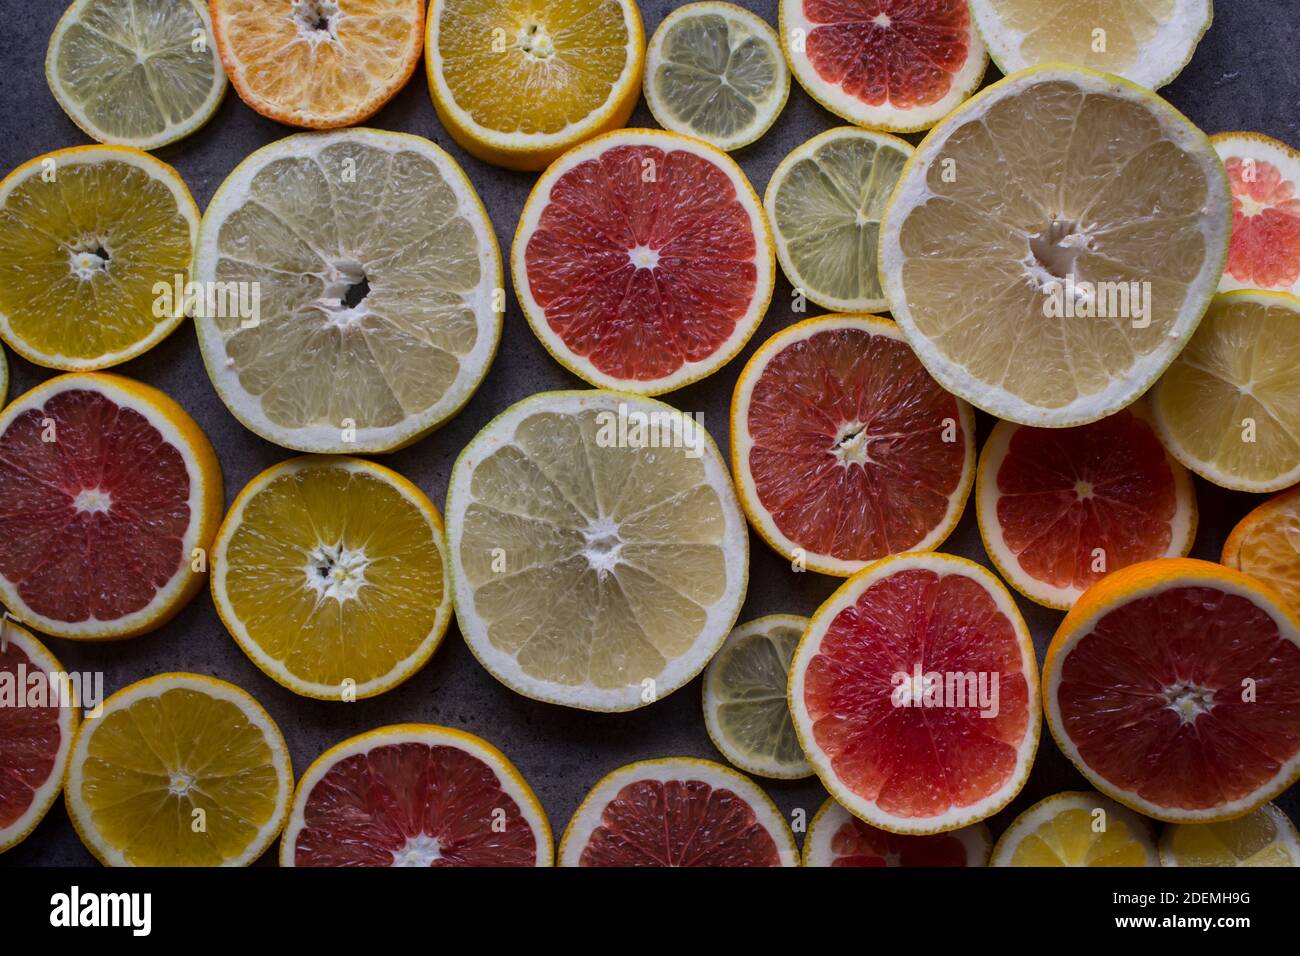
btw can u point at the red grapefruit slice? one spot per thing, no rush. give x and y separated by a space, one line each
838 838
845 450
1174 686
1265 178
677 812
1059 508
915 694
643 260
108 493
898 65
415 795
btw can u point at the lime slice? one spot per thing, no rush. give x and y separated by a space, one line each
716 72
138 73
825 202
745 708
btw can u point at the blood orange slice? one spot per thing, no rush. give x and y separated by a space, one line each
1059 508
36 731
845 450
677 812
109 498
915 694
415 795
643 260
838 838
899 65
1174 686
1264 252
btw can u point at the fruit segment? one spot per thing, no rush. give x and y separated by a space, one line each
1076 829
1265 179
839 839
1266 545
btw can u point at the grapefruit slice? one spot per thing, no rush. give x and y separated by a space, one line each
1174 686
1059 508
845 450
1266 545
1077 829
415 795
109 498
677 812
897 65
838 838
1265 179
892 693
1263 837
643 260
35 734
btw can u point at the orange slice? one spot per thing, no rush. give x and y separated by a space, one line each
1266 545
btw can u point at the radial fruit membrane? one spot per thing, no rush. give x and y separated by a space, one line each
839 839
1266 545
1265 249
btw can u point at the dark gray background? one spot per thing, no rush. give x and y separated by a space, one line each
1245 76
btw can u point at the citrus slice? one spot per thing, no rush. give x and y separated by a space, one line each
179 770
318 63
140 73
1059 508
676 812
745 709
4 378
1229 406
415 795
899 65
845 450
1265 248
86 234
1264 837
516 83
715 71
1196 669
109 497
37 725
1077 829
598 555
1095 220
1148 42
643 260
838 838
329 573
378 284
1266 545
824 202
915 694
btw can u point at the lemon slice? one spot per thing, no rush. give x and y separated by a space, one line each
745 709
716 72
1229 406
1053 244
377 280
140 73
85 236
1076 829
1264 837
599 557
329 573
179 770
825 201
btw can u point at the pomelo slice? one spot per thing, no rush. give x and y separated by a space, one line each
1174 687
1265 179
1263 837
677 812
1076 829
109 497
885 690
1266 545
838 838
599 557
35 733
898 65
179 770
415 795
845 450
643 260
1059 508
1059 192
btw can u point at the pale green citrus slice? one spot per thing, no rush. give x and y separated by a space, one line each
825 202
745 708
715 71
140 73
599 556
379 283
1076 829
1263 837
